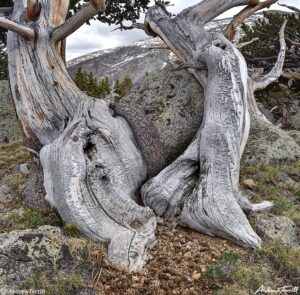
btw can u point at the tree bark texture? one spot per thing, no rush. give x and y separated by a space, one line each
92 164
95 162
201 188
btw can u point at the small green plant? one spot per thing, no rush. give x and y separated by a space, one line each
71 230
61 285
30 218
214 272
283 258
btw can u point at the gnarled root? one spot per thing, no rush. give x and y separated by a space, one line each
92 172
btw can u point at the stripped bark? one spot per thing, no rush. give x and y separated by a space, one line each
92 164
262 81
200 189
244 14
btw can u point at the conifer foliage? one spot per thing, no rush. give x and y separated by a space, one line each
103 87
264 52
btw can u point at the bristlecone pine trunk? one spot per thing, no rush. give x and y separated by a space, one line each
94 165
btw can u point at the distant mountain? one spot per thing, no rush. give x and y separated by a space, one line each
137 59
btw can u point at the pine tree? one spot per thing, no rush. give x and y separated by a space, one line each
264 52
101 88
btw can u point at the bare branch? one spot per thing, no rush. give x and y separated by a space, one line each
131 27
25 31
241 45
290 7
275 73
297 44
78 19
291 75
244 14
207 10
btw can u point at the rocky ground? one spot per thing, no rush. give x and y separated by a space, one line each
38 251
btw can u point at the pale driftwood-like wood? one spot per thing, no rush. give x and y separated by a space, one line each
242 45
200 189
95 161
291 75
24 31
77 20
207 10
258 81
275 73
244 14
91 162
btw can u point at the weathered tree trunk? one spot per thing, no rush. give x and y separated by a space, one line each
94 164
201 188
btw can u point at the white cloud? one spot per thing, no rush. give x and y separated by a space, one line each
99 36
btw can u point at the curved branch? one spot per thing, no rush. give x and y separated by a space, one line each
291 75
207 10
77 20
297 44
275 73
25 31
244 14
131 27
241 45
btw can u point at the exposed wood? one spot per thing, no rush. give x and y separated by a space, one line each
243 15
297 44
275 73
95 161
77 20
241 45
57 11
258 81
291 75
91 162
207 10
23 30
33 10
200 189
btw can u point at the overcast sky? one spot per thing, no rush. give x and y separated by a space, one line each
99 36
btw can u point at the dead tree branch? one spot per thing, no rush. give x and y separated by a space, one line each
275 73
22 30
243 15
78 19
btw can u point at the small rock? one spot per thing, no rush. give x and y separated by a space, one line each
196 276
249 183
25 252
24 168
159 220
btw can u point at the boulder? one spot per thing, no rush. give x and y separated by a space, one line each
25 252
295 134
295 119
269 144
273 227
174 100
